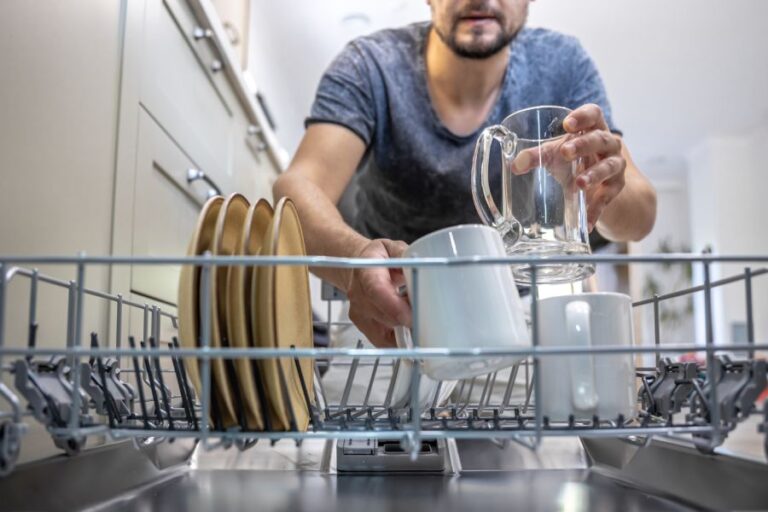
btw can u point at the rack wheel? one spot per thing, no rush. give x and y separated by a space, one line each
70 445
10 445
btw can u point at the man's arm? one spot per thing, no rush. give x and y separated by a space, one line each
323 166
632 213
620 200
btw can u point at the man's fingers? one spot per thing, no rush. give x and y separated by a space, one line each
541 156
378 334
596 142
611 168
586 117
379 288
597 201
395 248
524 161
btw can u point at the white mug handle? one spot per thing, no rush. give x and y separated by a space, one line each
403 337
581 368
402 333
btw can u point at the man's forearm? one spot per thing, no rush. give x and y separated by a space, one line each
632 214
325 232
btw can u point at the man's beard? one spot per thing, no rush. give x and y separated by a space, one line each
477 50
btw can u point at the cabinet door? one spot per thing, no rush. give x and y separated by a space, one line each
235 16
59 90
178 88
253 171
165 209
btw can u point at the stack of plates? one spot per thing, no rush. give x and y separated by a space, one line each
251 306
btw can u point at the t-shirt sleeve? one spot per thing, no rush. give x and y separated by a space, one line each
345 95
587 86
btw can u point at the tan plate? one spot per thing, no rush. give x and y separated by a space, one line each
189 286
226 238
239 307
284 317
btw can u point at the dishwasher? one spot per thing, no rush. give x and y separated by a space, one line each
134 435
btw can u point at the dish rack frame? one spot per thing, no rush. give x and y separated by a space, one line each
150 411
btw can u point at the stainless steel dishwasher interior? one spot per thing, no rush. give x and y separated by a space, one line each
488 446
564 474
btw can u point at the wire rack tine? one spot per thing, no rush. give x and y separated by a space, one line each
509 388
714 409
206 393
319 389
350 378
371 382
392 380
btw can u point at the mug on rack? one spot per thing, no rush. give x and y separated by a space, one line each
465 306
590 384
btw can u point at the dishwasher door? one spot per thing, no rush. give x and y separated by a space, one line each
563 474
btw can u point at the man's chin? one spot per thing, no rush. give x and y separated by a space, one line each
478 34
475 48
476 43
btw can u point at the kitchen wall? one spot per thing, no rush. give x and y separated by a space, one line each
304 36
671 233
728 208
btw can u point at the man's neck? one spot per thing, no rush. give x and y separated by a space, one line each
463 91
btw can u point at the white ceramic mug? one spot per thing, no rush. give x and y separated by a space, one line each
466 306
593 384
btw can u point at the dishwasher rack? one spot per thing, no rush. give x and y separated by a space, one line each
142 391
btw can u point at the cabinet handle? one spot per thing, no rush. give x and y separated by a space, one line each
232 33
196 175
258 143
199 33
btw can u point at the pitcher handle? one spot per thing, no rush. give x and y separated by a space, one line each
581 368
510 228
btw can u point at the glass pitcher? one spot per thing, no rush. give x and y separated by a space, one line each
543 211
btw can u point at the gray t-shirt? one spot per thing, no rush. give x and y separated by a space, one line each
415 176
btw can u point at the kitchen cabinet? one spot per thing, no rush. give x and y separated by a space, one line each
165 209
235 18
178 91
248 156
59 96
59 92
105 107
182 103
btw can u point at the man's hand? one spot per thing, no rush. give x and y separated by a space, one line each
602 174
374 304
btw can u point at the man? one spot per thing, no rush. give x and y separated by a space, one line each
406 106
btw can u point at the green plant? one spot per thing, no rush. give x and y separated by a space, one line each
667 277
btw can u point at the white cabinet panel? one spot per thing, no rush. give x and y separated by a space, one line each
176 87
165 209
58 114
253 171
